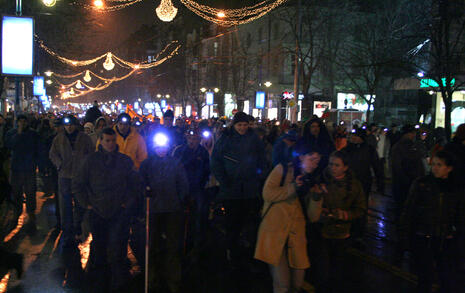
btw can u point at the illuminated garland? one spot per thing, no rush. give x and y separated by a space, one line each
110 57
72 93
166 11
125 3
231 17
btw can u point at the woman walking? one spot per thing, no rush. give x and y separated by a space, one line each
333 206
281 240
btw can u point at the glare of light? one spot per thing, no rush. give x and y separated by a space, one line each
139 99
49 3
417 126
84 249
167 96
216 90
48 81
122 101
74 62
203 90
158 96
48 73
160 139
206 134
137 66
98 3
221 14
421 74
268 84
19 225
431 92
4 282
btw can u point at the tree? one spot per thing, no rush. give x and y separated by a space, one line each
441 60
376 48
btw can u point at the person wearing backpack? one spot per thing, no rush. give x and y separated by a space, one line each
282 242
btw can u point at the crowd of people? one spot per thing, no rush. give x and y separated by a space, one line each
289 195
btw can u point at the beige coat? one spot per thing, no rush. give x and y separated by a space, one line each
283 223
66 160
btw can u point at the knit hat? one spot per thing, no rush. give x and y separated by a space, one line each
460 133
407 129
291 135
124 118
168 114
89 125
240 117
70 120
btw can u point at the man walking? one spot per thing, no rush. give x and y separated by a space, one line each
107 186
24 145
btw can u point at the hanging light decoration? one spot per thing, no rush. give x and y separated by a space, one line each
166 11
49 3
79 84
87 77
108 64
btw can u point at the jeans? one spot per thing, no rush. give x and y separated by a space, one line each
109 248
24 182
426 253
286 279
71 213
330 264
241 228
166 236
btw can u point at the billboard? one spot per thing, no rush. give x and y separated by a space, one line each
38 87
260 100
209 98
17 45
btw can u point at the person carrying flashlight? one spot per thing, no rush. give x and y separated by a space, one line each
129 141
68 151
196 162
168 186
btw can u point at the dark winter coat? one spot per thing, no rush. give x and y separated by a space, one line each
282 153
434 208
24 149
46 136
362 158
322 144
66 159
196 164
92 114
407 165
238 163
458 149
168 183
107 181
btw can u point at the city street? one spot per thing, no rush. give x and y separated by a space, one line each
374 269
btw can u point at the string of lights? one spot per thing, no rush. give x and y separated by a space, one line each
232 17
109 64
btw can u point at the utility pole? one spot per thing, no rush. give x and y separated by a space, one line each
297 62
17 81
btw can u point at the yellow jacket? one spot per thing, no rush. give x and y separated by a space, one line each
133 146
283 223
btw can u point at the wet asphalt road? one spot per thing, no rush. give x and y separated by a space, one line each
374 268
